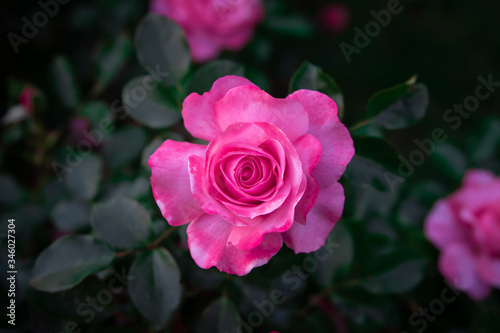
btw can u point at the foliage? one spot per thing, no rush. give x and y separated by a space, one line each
87 225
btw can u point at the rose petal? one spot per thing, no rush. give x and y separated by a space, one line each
309 149
320 221
458 265
280 220
208 243
264 162
198 111
266 207
170 181
478 177
475 199
211 26
441 226
488 268
248 104
202 47
205 46
486 232
206 200
324 125
257 134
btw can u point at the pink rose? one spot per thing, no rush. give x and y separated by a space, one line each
24 109
27 98
212 25
466 228
269 174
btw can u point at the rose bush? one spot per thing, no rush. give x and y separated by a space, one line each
466 228
269 174
212 25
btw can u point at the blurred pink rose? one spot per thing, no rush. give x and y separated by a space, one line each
24 109
213 25
466 228
269 174
335 18
27 97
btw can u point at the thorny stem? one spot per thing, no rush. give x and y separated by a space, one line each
359 125
124 253
181 93
162 237
153 245
324 304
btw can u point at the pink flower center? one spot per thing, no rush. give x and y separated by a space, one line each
246 179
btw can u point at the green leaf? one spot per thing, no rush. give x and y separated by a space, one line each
156 289
399 106
205 76
54 191
220 317
111 57
365 310
311 77
66 304
484 144
412 212
149 103
383 99
428 191
258 77
374 163
71 215
95 111
450 161
368 201
395 272
68 260
139 188
367 129
203 279
162 49
122 223
339 249
83 180
370 244
123 146
65 83
378 150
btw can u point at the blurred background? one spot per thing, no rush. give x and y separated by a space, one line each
72 71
